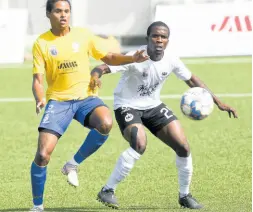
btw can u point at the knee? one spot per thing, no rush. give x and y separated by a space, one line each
137 139
105 126
183 150
42 158
139 146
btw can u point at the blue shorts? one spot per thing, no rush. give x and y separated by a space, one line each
58 115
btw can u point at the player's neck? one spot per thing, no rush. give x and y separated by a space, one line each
60 32
156 57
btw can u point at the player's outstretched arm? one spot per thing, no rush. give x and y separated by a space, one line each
38 92
115 59
96 73
194 81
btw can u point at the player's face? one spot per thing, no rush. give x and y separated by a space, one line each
60 15
158 39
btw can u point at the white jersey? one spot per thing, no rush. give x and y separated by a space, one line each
141 83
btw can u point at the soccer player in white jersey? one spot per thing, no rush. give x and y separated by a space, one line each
137 105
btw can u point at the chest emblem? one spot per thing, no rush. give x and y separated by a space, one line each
145 73
53 51
164 74
75 47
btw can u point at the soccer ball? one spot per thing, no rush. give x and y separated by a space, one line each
197 103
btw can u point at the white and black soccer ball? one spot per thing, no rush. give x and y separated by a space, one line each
197 103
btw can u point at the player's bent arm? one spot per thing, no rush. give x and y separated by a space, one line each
115 59
194 81
38 87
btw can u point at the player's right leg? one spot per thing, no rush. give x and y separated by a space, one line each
55 120
130 123
46 145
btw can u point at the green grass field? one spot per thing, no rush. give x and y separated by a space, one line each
221 149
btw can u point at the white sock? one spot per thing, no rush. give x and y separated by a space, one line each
73 162
39 206
185 169
123 167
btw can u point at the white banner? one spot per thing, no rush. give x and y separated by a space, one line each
13 28
199 30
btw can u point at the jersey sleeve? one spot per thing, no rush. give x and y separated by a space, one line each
38 60
115 69
122 68
98 47
180 70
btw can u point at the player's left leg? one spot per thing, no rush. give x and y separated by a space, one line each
94 114
173 135
164 125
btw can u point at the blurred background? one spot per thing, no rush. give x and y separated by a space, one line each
198 27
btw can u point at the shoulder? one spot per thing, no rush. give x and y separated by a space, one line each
171 58
81 30
43 38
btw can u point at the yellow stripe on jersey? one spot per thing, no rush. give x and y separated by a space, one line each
65 62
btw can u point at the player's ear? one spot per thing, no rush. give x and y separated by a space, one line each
48 14
167 43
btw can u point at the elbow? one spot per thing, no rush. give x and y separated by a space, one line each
37 85
195 81
34 84
109 62
110 59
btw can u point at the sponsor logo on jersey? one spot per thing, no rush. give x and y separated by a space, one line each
67 65
145 90
129 117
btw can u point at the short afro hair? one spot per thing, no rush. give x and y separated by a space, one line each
157 23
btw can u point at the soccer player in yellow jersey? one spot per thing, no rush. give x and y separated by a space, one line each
62 55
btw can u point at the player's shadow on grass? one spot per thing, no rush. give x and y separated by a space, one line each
90 209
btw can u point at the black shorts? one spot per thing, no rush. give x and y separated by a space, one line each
154 119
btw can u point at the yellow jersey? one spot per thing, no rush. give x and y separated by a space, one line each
65 62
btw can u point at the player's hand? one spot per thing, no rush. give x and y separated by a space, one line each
40 104
139 56
230 110
95 83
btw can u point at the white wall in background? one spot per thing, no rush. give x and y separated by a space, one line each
208 29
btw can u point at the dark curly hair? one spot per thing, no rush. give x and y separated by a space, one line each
50 4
